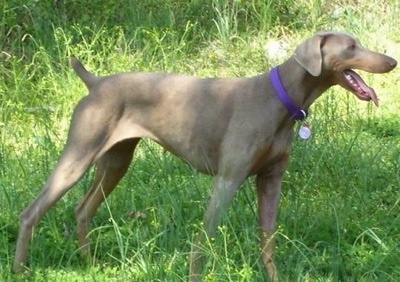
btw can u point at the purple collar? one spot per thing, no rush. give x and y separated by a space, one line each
295 112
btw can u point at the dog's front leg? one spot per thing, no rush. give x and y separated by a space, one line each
268 192
222 196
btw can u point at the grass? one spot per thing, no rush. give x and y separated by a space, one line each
339 215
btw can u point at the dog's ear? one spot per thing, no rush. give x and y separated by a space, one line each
309 54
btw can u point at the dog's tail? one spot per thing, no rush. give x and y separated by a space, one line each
88 78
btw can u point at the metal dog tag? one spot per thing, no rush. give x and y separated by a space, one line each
305 132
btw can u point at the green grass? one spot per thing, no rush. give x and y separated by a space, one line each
339 214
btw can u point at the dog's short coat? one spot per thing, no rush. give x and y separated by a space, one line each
229 128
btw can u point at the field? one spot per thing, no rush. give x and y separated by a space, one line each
339 216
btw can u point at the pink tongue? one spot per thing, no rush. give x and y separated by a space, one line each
371 93
364 89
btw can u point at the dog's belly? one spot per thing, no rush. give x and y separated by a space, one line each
201 159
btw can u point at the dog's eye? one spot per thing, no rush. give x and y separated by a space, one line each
351 47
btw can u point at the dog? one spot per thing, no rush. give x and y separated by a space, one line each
230 128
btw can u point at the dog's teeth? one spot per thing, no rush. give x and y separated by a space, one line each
353 82
348 77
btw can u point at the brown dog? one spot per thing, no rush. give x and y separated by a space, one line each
229 128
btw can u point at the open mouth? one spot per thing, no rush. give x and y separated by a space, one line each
359 87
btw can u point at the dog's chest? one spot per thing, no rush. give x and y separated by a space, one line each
271 153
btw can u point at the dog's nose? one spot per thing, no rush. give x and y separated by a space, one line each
392 63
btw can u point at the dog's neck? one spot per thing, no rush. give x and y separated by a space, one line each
280 90
301 86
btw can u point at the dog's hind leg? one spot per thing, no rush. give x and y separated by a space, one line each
68 171
85 141
111 167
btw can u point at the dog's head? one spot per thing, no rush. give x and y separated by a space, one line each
335 55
